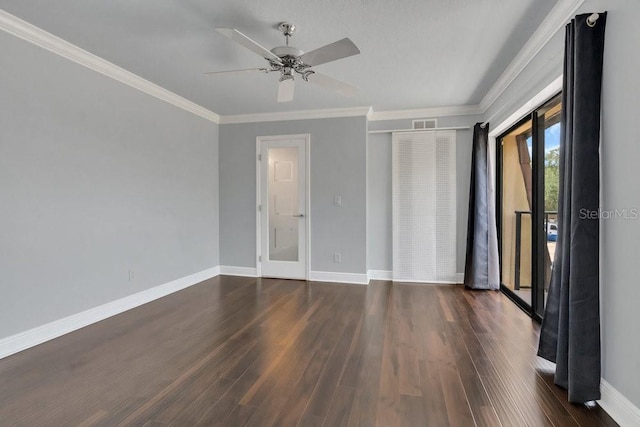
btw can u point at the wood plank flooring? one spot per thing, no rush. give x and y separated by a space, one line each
237 351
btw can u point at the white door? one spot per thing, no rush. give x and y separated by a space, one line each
282 211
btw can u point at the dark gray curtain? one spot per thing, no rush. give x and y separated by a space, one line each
480 271
570 333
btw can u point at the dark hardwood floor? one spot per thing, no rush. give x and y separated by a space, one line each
237 351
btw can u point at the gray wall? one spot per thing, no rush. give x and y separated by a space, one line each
338 167
620 154
379 180
96 178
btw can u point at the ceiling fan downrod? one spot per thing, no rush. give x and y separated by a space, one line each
287 29
289 55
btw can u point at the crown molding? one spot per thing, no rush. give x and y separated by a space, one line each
458 110
39 37
540 98
561 13
325 113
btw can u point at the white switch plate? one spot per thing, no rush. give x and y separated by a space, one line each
337 257
337 200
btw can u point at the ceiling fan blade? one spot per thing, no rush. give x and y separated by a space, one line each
331 52
285 90
246 70
245 41
343 88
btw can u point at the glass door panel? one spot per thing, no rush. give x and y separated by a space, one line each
283 204
516 225
528 180
549 140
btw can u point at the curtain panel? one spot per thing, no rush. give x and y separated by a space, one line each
570 332
481 269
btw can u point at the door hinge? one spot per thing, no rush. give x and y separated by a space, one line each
259 208
259 157
259 258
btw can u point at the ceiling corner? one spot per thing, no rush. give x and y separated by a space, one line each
561 13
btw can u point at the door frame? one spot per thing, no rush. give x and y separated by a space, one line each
535 308
307 231
526 307
542 97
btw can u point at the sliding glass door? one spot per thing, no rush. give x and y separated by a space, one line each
527 205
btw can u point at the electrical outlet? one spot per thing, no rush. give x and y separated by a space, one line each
131 276
337 257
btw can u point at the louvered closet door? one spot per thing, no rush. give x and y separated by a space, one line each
424 206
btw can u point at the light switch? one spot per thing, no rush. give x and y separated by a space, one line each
337 200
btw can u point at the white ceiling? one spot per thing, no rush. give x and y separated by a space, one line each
414 53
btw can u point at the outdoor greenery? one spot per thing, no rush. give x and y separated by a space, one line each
551 166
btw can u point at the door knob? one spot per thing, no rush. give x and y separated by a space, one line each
299 215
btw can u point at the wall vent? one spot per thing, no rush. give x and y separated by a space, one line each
425 124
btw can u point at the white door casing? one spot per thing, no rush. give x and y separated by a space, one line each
282 201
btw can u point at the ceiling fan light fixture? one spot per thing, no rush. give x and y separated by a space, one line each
286 75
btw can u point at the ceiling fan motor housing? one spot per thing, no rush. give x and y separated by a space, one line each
290 57
284 51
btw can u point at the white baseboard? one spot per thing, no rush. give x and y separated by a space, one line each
453 280
388 275
230 270
329 276
427 282
380 274
617 406
24 340
314 276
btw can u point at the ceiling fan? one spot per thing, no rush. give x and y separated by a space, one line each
288 59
